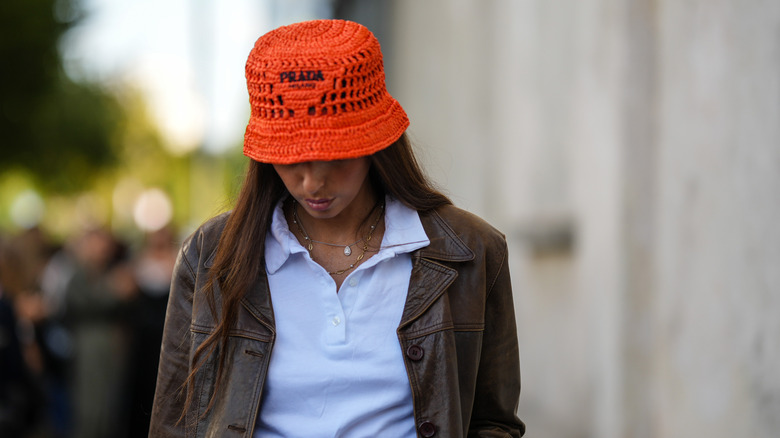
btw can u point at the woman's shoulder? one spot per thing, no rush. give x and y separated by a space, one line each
473 230
205 238
214 225
458 218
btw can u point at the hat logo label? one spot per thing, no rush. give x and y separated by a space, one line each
308 75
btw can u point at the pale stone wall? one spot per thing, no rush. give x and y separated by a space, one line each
649 131
718 247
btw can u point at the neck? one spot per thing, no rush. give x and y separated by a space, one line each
349 226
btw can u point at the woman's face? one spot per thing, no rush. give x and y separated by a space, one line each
328 189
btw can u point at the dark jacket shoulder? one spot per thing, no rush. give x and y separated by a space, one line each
449 226
204 240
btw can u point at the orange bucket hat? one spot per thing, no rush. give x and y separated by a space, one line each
317 93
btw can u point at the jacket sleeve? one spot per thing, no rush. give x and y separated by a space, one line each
175 351
498 380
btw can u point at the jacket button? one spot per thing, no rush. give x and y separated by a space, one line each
415 352
427 429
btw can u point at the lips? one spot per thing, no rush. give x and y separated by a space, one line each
319 204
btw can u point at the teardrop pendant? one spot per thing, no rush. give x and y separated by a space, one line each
347 251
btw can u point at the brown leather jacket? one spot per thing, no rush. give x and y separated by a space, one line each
458 333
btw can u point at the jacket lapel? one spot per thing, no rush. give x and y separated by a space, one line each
430 278
257 303
445 243
428 281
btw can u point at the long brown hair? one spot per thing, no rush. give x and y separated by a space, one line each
241 250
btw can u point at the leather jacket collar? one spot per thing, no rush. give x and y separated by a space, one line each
445 246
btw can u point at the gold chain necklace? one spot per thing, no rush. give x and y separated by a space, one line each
347 250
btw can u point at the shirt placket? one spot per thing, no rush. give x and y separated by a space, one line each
335 319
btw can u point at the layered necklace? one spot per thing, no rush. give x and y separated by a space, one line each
347 248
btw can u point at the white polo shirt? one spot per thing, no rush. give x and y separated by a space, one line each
336 369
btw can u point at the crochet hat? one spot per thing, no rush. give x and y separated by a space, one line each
317 92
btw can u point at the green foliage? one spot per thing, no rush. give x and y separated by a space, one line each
58 131
88 152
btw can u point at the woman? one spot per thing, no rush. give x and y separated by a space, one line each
342 296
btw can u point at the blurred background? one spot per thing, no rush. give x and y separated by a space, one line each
630 150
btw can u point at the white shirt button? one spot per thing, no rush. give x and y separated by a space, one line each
336 321
353 282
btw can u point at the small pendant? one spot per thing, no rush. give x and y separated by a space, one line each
347 251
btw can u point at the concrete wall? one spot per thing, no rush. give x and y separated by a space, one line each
631 152
718 246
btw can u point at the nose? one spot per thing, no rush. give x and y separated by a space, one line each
314 177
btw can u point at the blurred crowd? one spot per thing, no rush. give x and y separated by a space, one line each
80 331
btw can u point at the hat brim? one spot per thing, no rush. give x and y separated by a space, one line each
309 140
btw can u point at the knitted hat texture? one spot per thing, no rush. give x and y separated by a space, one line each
317 92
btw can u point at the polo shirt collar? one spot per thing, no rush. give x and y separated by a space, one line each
404 233
280 243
